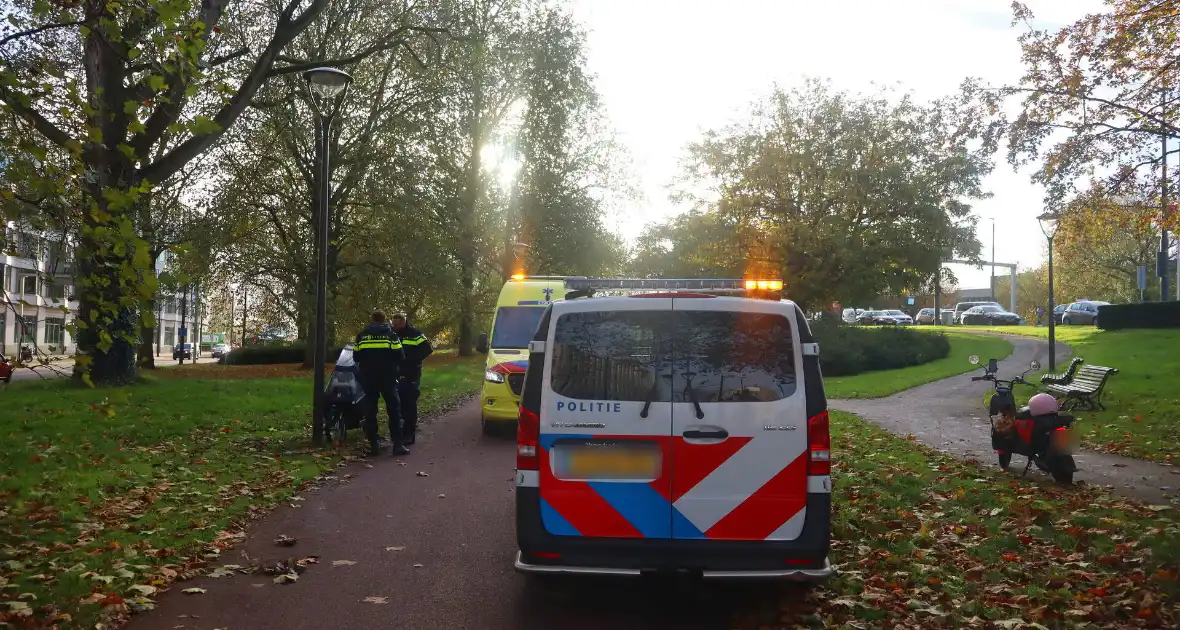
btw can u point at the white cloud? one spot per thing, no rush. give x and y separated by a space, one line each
668 69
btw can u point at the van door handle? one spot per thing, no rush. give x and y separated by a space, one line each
708 434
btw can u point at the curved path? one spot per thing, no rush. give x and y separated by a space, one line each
949 415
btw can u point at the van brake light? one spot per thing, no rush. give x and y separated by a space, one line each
819 445
528 434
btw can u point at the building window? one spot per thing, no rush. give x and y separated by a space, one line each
28 285
53 290
28 331
55 331
3 331
169 335
170 305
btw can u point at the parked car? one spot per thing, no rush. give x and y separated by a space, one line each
5 369
851 315
876 318
989 315
186 350
925 316
220 350
1081 313
900 316
962 307
1059 312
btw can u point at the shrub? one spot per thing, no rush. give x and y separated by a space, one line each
1145 315
846 350
270 353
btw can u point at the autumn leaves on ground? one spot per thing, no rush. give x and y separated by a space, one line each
111 497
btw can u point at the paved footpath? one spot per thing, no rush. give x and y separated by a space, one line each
465 544
949 415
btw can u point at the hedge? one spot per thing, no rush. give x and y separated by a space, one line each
1145 315
271 353
847 349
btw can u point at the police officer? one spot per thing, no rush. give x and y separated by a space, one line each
409 381
379 356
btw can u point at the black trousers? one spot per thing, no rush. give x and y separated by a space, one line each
408 389
384 387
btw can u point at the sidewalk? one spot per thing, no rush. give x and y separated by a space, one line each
949 415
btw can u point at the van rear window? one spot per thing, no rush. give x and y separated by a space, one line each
677 356
733 356
612 355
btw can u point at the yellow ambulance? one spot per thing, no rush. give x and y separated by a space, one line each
519 309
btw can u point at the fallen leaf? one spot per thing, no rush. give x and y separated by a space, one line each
442 496
376 600
417 566
193 591
395 548
422 474
285 541
286 578
343 563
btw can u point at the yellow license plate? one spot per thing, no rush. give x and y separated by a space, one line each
611 463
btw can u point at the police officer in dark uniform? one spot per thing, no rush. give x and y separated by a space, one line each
417 348
379 356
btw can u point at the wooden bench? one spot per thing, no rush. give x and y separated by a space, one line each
1085 388
1064 377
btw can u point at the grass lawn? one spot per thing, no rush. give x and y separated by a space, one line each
885 382
1066 334
1142 401
111 494
923 540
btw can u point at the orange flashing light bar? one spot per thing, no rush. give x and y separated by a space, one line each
716 285
764 285
518 276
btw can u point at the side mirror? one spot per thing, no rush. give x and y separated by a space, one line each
1034 365
973 359
481 343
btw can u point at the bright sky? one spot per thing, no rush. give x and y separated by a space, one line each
668 69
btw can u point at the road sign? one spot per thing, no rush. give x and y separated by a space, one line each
183 332
1142 277
909 301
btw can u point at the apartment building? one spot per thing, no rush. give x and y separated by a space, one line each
38 300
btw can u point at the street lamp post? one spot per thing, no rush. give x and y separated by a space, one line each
1048 222
327 87
992 283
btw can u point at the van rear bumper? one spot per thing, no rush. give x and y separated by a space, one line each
805 558
801 575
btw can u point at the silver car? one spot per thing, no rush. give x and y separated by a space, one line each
1081 313
900 317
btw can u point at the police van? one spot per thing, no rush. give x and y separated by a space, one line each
519 308
673 425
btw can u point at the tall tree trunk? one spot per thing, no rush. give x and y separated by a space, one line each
146 359
467 223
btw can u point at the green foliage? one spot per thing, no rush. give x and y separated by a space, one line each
845 196
888 382
1095 98
1145 315
847 349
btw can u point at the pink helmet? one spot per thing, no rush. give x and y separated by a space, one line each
1042 405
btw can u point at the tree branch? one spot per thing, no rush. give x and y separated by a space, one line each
392 41
39 29
286 30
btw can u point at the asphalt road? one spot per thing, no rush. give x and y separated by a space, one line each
455 572
65 368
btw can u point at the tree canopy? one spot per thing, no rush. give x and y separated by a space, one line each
845 196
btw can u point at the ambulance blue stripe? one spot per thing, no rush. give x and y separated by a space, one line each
640 504
555 523
683 528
